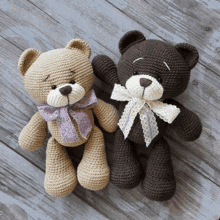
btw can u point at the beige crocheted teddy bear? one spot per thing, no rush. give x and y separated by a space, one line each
60 81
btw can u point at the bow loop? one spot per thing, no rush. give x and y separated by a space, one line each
49 113
120 93
165 111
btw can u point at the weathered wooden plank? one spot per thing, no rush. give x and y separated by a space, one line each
172 21
196 22
119 201
112 14
196 198
192 188
63 21
102 30
22 195
204 88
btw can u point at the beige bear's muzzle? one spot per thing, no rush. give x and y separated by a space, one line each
66 94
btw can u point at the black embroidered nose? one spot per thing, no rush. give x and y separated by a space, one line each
66 90
145 82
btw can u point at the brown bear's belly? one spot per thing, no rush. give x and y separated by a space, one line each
53 128
136 134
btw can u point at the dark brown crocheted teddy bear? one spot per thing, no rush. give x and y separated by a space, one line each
149 74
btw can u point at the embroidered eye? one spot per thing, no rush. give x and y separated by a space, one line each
53 87
72 71
135 73
159 79
72 82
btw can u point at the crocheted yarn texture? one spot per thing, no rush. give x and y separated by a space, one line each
60 80
149 71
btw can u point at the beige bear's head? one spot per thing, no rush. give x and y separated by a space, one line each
57 77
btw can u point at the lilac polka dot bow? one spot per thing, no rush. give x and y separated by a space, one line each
62 116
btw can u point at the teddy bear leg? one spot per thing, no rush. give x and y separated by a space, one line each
93 170
126 169
159 183
60 178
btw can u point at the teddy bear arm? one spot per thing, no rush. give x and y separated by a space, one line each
107 115
105 69
187 124
33 134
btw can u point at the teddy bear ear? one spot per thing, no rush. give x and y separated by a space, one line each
80 45
26 59
189 53
129 39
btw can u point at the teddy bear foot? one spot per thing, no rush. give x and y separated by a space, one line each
60 179
58 186
159 183
93 170
126 178
93 180
159 190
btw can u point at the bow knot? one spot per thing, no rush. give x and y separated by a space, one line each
145 108
62 116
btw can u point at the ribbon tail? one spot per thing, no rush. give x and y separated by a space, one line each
83 122
149 124
130 112
66 128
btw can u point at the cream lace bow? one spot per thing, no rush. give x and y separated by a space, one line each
145 108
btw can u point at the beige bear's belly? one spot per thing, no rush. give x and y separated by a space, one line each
52 126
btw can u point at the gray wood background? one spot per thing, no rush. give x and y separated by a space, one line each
50 24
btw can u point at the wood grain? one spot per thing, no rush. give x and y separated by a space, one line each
46 25
180 21
22 195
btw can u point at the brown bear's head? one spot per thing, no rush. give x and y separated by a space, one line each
57 77
153 69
